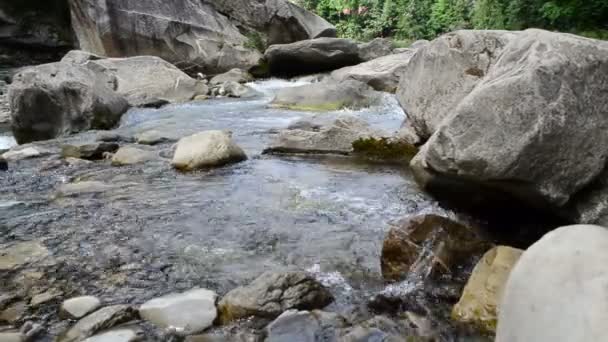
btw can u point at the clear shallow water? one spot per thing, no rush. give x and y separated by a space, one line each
156 230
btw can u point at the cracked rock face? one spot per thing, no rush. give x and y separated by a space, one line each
272 294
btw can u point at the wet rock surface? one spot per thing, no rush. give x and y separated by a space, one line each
206 149
79 307
99 320
273 293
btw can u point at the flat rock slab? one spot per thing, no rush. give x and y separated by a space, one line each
189 312
79 307
99 320
85 187
21 254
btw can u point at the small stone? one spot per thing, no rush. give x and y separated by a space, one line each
99 320
45 297
189 312
21 254
89 151
272 294
153 137
305 326
109 136
206 149
483 292
131 155
117 335
80 306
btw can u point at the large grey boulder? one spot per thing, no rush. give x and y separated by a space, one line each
146 80
443 72
208 36
382 74
555 291
531 127
328 95
272 294
57 99
326 137
312 56
206 149
188 312
375 48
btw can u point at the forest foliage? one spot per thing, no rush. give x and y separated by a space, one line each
425 19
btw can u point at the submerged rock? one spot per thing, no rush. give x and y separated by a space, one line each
272 294
58 99
428 245
99 320
234 75
45 297
529 115
88 151
211 36
79 188
153 137
331 137
305 326
118 335
129 155
555 291
483 292
21 254
79 307
378 328
206 149
189 312
312 56
382 74
326 96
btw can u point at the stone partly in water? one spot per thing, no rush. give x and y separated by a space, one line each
118 335
326 96
443 73
99 320
556 290
538 108
88 151
327 137
129 155
80 188
79 307
188 313
20 153
206 149
211 36
382 74
428 245
312 56
272 294
305 326
483 292
58 99
153 137
21 254
234 75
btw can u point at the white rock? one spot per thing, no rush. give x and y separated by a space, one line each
118 335
188 313
80 306
206 149
557 291
22 153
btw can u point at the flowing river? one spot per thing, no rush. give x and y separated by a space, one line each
154 230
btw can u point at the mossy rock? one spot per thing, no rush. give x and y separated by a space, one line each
384 149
